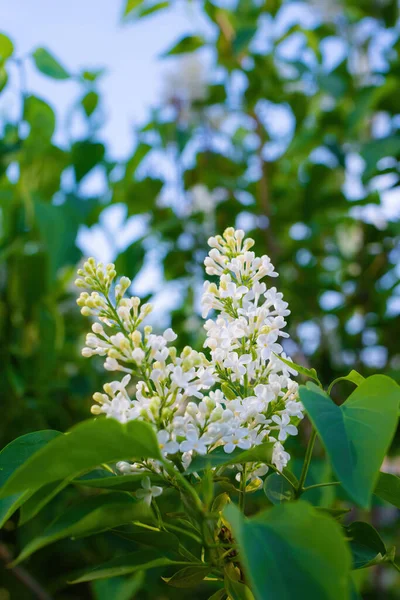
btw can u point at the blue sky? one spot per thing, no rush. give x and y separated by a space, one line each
89 33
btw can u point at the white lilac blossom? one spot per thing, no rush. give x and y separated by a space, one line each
147 492
237 394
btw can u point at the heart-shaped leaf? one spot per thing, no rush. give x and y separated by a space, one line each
292 551
357 434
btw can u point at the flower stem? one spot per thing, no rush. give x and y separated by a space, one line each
242 496
318 485
306 464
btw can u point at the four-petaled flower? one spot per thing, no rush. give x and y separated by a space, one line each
148 491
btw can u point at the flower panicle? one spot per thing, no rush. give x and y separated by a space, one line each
235 394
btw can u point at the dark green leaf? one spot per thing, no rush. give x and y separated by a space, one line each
388 488
48 65
129 563
14 456
118 588
357 434
85 156
292 551
84 447
188 577
366 545
91 516
39 500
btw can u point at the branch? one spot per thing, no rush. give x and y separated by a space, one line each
24 577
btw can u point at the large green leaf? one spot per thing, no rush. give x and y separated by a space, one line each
48 65
11 458
292 551
85 446
218 457
91 516
129 563
388 488
358 433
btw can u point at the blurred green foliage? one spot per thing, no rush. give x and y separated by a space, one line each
291 130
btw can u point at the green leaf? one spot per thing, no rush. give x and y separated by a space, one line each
85 156
6 48
40 499
129 563
237 590
3 78
278 489
103 479
151 537
40 117
91 516
189 43
388 488
218 457
243 37
292 551
219 595
84 447
11 458
48 65
357 434
188 577
366 545
90 102
118 588
353 376
374 150
312 373
145 11
131 5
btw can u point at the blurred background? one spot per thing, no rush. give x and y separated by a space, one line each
132 131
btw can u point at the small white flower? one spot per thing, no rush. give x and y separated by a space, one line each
169 335
237 439
167 446
193 442
280 458
149 491
285 427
